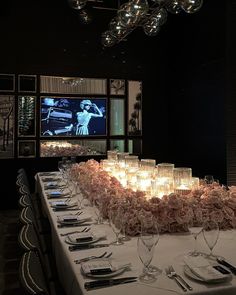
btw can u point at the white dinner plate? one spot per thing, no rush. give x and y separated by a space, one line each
193 276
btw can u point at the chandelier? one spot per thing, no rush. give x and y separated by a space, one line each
151 15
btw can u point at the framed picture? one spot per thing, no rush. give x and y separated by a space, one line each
26 148
117 87
134 108
73 116
27 83
7 103
73 85
117 116
26 116
72 147
7 82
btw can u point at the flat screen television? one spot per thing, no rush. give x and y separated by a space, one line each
72 116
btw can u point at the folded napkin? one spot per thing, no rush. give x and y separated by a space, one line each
56 194
96 267
73 218
48 179
104 266
81 237
53 184
201 267
86 237
60 203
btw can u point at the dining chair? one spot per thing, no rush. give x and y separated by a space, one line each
29 241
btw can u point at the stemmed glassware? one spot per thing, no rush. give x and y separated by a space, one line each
195 230
211 234
116 223
209 179
97 204
146 243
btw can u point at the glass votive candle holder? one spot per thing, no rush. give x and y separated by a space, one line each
195 182
112 155
147 164
165 170
182 180
121 158
131 161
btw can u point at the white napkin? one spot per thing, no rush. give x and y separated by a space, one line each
201 267
60 203
96 265
56 194
77 237
71 217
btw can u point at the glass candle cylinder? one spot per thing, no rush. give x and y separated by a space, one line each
131 161
112 155
121 158
182 179
195 182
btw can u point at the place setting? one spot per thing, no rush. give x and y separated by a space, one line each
207 268
78 218
61 205
54 185
85 240
103 272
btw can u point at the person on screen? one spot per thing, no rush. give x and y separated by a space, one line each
83 118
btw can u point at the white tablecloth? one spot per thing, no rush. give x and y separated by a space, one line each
169 251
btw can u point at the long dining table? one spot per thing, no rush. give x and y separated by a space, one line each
170 250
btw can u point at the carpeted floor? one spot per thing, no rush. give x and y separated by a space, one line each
10 252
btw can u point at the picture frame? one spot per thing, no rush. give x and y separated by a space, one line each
134 108
73 85
7 126
27 83
67 116
73 147
7 82
26 148
117 87
26 126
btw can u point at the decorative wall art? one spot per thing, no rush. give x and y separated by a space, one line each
26 148
60 148
27 83
6 126
134 107
117 87
68 116
26 115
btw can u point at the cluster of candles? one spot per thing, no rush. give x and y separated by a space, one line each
145 175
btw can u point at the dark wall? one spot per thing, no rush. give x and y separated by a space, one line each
182 70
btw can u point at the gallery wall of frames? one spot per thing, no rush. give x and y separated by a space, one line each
52 116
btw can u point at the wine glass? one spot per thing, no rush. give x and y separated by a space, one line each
209 179
116 223
146 246
149 224
195 230
125 207
97 204
211 234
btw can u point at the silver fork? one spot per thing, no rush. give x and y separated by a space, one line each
169 275
86 229
172 271
103 255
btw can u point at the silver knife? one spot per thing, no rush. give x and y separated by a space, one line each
108 283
